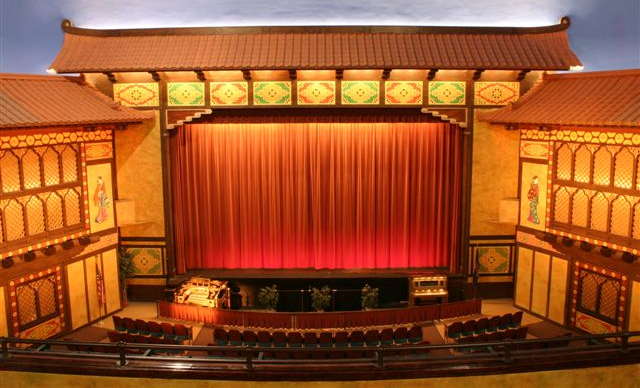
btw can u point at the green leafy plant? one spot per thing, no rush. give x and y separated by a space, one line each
268 297
127 267
320 298
369 297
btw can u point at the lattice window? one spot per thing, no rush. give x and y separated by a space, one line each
579 208
35 215
609 295
636 222
564 162
72 207
623 170
69 164
599 212
561 208
9 172
589 292
620 216
14 220
27 305
54 211
31 170
599 295
37 301
602 167
51 161
582 172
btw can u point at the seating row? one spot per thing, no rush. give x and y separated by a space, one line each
519 333
334 353
323 339
176 332
115 336
474 327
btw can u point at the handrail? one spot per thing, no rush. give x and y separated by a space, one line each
315 320
506 351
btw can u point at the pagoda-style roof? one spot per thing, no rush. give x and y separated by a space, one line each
355 47
605 98
40 100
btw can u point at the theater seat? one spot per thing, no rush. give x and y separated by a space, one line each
264 339
220 337
415 334
249 338
356 338
400 336
279 339
386 336
372 337
310 340
294 339
325 339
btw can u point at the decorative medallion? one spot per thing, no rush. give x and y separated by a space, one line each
360 92
447 92
593 325
316 92
496 93
403 92
96 151
185 93
493 260
229 93
136 94
272 93
146 260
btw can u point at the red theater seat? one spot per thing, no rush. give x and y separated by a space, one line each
372 337
310 340
118 323
142 326
341 338
235 338
400 335
356 338
155 329
249 338
264 339
220 337
516 319
279 339
325 339
294 339
481 325
386 336
415 334
115 336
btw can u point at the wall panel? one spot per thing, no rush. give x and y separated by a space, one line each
558 290
92 288
111 281
523 278
540 286
77 294
634 313
4 331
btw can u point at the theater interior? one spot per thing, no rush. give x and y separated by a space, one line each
339 206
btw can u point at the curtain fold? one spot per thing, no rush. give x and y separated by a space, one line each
316 194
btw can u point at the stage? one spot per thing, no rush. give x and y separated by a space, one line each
310 273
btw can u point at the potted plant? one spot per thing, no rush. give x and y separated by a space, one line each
369 297
320 298
268 297
126 270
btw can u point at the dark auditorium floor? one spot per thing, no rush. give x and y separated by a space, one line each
432 331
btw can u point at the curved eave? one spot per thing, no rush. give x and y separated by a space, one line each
315 48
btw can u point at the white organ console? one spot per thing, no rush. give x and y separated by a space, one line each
203 292
429 287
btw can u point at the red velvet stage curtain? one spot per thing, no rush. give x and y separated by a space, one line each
316 194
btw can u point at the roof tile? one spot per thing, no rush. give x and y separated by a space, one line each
270 48
35 101
606 98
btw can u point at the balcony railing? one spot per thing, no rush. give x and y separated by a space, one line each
179 361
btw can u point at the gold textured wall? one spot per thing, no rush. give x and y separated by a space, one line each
92 288
495 176
3 314
540 283
77 294
558 290
634 313
111 280
139 176
624 376
523 278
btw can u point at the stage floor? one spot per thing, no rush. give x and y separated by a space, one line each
310 273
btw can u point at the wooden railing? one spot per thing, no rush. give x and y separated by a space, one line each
180 361
339 319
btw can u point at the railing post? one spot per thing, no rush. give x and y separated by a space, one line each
380 358
507 352
625 343
249 360
5 347
123 354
